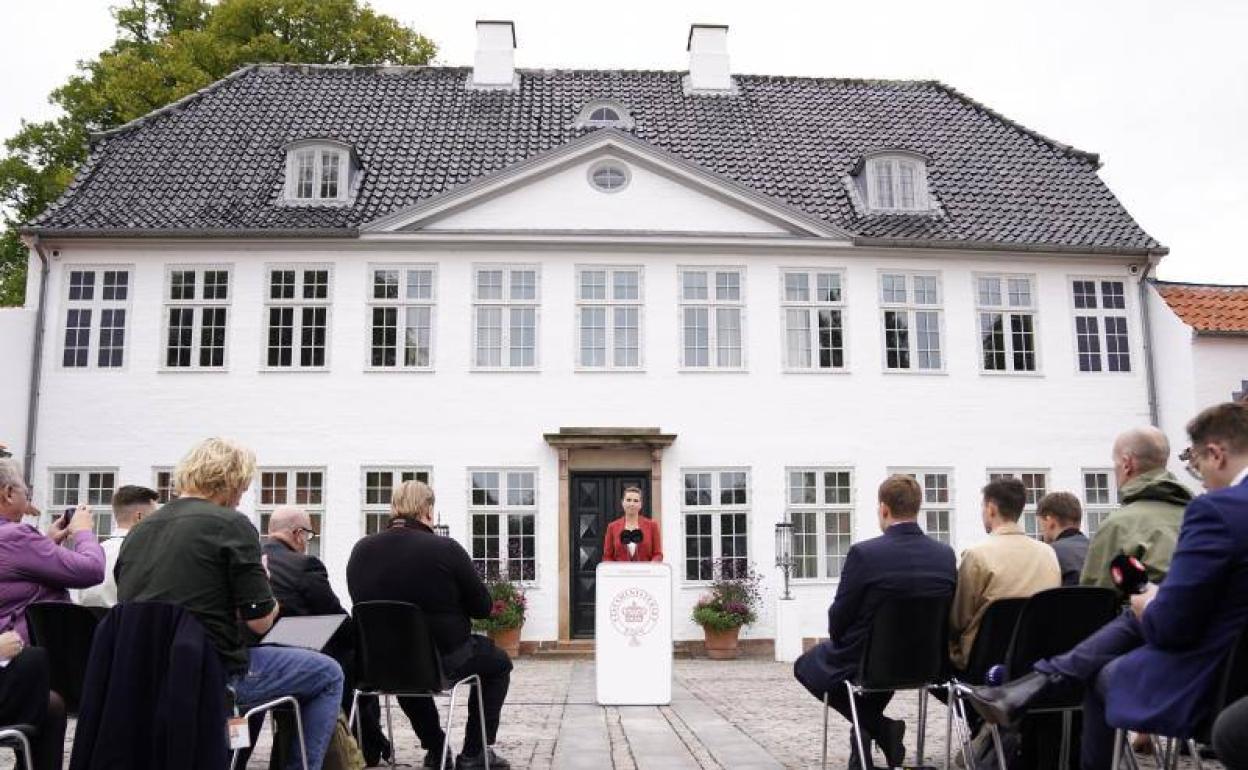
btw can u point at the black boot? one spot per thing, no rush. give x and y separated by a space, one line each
893 742
1004 705
856 762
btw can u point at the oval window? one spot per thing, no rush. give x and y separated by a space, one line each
609 177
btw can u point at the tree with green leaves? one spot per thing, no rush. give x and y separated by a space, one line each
166 49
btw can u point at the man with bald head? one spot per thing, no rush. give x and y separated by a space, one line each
1153 500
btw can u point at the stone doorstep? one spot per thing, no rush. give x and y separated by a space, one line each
683 649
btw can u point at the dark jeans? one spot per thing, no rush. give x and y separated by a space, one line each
870 705
1230 735
1091 662
494 667
26 698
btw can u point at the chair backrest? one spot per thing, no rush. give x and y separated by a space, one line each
1234 682
395 649
908 644
65 631
992 642
1054 621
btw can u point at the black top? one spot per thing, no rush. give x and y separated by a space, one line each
301 585
409 563
1071 548
205 558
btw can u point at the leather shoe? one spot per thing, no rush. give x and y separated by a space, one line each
432 757
466 762
1005 704
893 742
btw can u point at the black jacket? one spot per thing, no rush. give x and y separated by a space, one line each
301 587
154 695
409 563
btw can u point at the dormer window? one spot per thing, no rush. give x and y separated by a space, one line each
318 172
604 114
895 183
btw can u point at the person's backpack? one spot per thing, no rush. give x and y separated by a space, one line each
343 753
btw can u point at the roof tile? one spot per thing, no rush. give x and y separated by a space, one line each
1208 308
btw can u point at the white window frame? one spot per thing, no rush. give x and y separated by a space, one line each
197 305
895 162
319 150
96 305
401 304
712 305
316 511
504 510
822 507
1007 310
381 508
584 118
506 305
298 303
1101 509
717 511
99 498
164 487
949 507
911 308
1101 313
609 303
812 306
1027 520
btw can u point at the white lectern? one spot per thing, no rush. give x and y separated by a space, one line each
633 634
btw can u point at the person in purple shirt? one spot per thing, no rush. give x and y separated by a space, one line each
37 568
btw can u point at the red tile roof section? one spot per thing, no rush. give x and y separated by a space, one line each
1208 308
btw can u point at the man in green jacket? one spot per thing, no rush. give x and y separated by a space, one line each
1152 509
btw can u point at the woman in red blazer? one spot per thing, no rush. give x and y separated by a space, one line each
632 537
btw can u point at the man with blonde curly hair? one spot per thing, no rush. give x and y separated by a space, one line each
200 553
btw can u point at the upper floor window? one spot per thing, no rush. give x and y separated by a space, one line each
318 172
1101 325
604 114
197 305
1007 322
814 325
96 304
896 182
505 299
712 318
297 316
401 316
911 305
609 301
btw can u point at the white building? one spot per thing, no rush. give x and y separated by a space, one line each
757 296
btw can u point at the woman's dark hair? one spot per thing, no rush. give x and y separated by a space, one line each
632 489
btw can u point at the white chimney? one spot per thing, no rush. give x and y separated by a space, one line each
708 58
495 63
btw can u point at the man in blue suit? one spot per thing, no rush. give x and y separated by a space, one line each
901 562
1155 667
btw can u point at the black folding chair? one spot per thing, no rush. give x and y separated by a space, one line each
17 737
992 644
907 648
66 631
1232 685
397 656
1051 623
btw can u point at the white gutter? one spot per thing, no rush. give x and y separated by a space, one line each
36 357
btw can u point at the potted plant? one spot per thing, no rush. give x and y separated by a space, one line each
731 603
506 615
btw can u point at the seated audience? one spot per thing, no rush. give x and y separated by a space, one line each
1155 667
901 562
130 505
35 568
1152 509
1008 564
1060 516
407 562
202 554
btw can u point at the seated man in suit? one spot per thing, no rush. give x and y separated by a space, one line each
1060 516
902 562
1154 668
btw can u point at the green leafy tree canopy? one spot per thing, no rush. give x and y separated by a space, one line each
166 49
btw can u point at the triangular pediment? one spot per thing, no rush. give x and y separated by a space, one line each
552 192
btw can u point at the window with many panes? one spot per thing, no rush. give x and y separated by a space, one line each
910 304
300 487
1036 483
897 183
378 489
318 174
716 513
712 317
162 483
400 316
821 508
936 513
1098 498
97 300
297 307
1006 308
72 487
502 520
608 317
814 319
504 330
197 306
1101 339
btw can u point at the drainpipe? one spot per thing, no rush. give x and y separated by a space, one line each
1149 367
36 356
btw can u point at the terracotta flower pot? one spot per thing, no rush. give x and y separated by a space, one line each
507 640
722 645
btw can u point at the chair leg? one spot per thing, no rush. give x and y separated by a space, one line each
303 743
863 759
963 727
1068 718
996 743
485 734
390 733
1116 763
1192 747
1161 752
450 718
948 727
824 763
922 727
354 718
22 751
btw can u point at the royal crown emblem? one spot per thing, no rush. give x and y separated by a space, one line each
634 613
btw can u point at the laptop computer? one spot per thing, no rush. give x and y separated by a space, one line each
311 632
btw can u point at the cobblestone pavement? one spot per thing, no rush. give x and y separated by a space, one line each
724 714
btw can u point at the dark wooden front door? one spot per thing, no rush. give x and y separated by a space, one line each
595 503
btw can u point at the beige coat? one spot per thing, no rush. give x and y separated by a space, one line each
1008 564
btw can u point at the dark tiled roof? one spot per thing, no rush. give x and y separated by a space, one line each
1208 308
215 160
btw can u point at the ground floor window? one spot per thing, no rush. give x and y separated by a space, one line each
72 487
502 514
1098 497
820 507
1036 483
716 520
301 487
378 489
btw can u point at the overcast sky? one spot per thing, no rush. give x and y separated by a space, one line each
1158 88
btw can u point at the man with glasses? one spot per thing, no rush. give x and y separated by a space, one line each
1154 669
